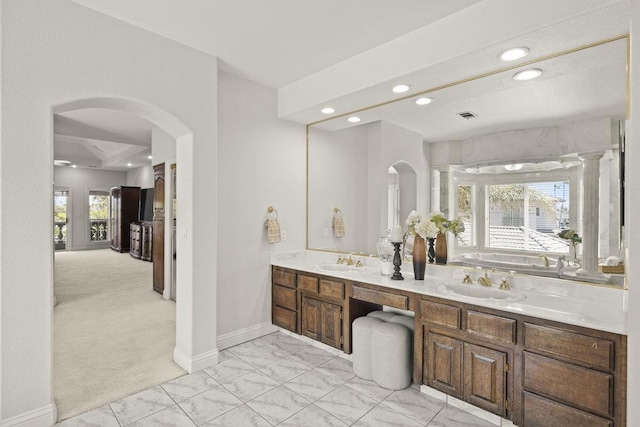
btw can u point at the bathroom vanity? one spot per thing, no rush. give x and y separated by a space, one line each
555 355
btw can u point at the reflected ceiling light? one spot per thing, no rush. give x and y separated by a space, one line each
149 157
74 166
354 119
514 167
61 162
328 110
424 101
513 54
527 74
129 164
400 88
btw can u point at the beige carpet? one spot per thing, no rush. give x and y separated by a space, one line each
113 335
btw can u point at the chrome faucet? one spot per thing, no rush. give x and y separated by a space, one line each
484 280
545 258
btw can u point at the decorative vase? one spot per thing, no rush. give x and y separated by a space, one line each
431 252
441 248
419 258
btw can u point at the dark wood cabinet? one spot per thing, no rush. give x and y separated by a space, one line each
158 228
141 239
284 301
125 204
485 378
310 318
321 321
444 364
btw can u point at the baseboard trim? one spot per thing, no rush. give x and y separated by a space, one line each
244 335
196 363
42 417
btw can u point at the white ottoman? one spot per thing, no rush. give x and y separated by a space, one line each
391 355
407 321
362 330
383 315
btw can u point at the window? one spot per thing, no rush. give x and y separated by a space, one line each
465 208
98 216
527 216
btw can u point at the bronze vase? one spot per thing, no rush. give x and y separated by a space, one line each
419 258
441 248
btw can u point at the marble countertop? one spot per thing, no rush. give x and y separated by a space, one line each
591 306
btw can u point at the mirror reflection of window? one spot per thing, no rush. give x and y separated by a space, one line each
528 216
465 211
393 216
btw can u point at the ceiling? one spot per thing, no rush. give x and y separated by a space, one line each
102 139
296 46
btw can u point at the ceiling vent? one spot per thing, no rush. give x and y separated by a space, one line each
468 115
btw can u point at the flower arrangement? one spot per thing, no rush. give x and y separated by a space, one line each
455 226
573 238
429 227
423 227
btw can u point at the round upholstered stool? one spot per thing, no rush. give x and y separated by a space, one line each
391 355
407 321
362 330
383 315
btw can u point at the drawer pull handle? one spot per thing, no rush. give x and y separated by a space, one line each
595 345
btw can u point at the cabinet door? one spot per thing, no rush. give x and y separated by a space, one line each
444 364
485 378
331 324
310 318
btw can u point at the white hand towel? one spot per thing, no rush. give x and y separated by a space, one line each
612 261
273 230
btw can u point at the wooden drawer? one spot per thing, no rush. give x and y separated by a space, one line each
308 283
332 289
492 328
283 278
380 297
541 412
284 297
284 318
581 348
440 314
581 387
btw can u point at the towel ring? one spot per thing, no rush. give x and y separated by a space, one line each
272 211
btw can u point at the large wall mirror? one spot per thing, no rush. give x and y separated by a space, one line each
479 139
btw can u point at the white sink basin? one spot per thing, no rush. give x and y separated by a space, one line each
478 292
337 267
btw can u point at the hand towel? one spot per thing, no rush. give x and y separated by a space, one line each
612 261
338 226
273 230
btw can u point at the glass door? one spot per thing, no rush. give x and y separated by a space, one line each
61 200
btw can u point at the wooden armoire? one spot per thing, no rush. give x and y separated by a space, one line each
125 202
158 228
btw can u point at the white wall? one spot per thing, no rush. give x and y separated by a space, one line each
140 177
80 181
633 224
163 146
57 52
262 163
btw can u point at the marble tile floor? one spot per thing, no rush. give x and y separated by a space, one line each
276 380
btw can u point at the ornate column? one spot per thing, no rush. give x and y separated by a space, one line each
591 214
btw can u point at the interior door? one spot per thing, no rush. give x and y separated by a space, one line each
61 202
158 228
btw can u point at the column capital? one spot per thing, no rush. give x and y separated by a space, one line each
595 155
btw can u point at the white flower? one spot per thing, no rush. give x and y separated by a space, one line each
426 229
413 218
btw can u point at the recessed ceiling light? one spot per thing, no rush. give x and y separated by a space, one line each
74 166
129 164
513 54
514 167
424 101
149 157
400 88
354 119
328 110
527 74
